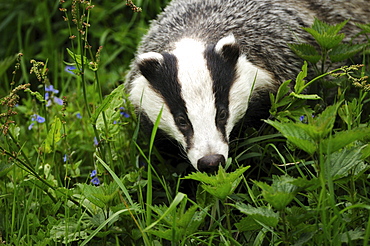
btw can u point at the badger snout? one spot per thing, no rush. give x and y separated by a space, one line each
210 163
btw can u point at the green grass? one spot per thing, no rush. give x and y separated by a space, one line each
71 172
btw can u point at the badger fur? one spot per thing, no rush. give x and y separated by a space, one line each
205 63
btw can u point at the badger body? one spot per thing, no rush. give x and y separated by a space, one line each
205 63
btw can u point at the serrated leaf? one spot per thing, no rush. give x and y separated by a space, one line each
343 138
306 52
338 164
325 34
345 51
247 224
220 185
280 193
262 215
364 27
54 135
296 134
324 122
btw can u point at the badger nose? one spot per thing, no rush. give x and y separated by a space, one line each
210 163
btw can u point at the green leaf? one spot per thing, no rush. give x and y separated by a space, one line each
54 135
305 97
179 197
306 52
339 164
322 124
77 58
296 134
280 193
364 27
345 51
325 34
247 224
343 138
299 82
221 185
283 90
263 215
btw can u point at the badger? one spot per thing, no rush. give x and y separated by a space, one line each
207 65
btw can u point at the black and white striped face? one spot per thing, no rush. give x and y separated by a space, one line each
203 90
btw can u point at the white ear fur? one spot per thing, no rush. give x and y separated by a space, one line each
150 56
228 40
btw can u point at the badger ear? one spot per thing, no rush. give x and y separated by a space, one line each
149 64
228 48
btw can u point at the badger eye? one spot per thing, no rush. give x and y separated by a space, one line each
222 116
181 122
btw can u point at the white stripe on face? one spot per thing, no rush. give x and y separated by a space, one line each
248 77
197 92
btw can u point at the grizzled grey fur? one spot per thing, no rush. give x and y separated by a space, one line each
262 27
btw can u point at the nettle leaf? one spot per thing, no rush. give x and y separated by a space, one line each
221 185
326 35
186 221
306 52
262 215
247 224
190 221
100 196
280 193
297 134
343 138
339 164
324 122
345 51
54 135
364 27
322 27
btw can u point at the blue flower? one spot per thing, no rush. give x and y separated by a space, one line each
79 116
65 158
93 173
95 181
301 118
123 113
51 88
49 94
96 143
69 69
30 126
37 118
57 100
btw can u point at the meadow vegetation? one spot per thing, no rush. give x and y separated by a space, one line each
76 170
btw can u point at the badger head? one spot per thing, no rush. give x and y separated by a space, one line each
203 90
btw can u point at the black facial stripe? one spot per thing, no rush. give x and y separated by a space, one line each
163 78
223 72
